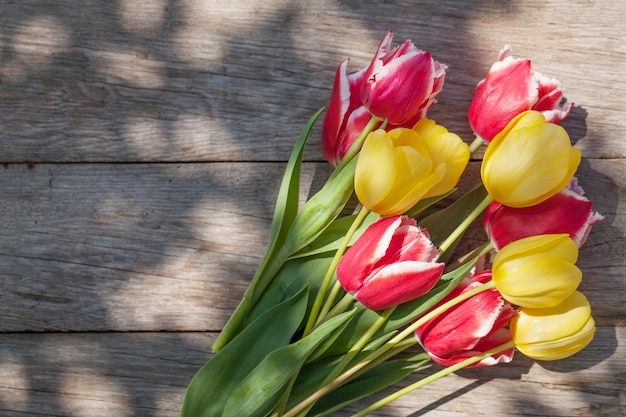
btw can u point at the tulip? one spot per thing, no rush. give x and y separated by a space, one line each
444 148
529 161
565 212
398 168
401 84
391 263
554 333
512 87
537 271
470 328
346 116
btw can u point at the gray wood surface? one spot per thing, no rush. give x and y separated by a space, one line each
143 144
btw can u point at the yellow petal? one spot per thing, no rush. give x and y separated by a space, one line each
556 332
549 245
530 163
375 170
450 150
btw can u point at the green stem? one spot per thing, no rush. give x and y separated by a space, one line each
345 361
355 148
467 221
319 299
432 378
399 338
476 144
325 312
360 344
475 254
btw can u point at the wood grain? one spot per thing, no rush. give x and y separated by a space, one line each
172 246
98 82
143 145
145 374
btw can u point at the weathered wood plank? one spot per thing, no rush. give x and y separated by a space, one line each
172 246
192 80
145 374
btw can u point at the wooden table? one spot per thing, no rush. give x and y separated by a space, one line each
143 144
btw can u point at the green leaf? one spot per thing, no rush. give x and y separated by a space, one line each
426 203
372 381
284 214
443 222
261 390
321 209
330 239
290 279
211 386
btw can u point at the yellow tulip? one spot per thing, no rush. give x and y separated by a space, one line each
537 271
554 333
445 148
529 161
396 169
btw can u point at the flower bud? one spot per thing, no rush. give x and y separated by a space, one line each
470 328
537 271
346 116
392 262
529 161
398 168
554 333
510 88
401 84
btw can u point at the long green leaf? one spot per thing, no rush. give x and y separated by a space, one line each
260 391
372 381
321 209
293 275
211 386
284 214
330 239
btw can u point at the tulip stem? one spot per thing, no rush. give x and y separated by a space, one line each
476 144
467 221
444 372
398 339
355 148
321 295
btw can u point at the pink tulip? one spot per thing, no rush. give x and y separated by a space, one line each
346 116
401 84
470 328
512 87
566 212
391 263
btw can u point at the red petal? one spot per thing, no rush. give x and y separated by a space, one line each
336 113
499 338
508 90
565 212
464 325
398 283
359 261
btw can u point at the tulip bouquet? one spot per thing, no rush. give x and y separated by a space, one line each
347 302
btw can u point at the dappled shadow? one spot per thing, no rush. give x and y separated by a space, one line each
126 219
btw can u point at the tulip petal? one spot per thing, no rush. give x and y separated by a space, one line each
345 99
508 90
554 333
399 283
566 212
529 161
375 170
362 257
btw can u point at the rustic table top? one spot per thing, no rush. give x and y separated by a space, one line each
143 145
